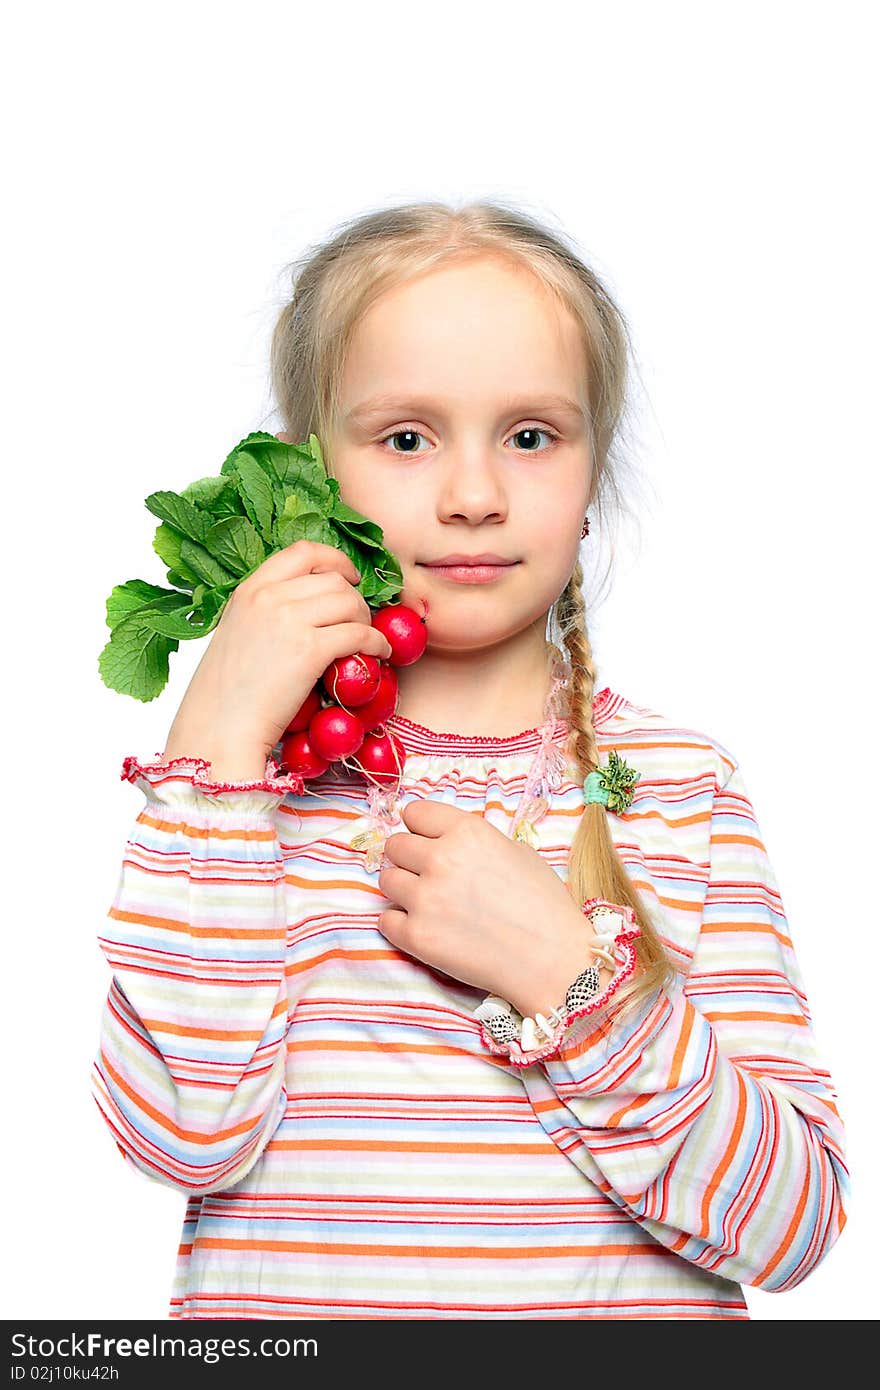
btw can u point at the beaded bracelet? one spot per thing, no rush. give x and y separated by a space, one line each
615 927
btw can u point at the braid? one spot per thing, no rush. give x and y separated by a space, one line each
572 620
595 867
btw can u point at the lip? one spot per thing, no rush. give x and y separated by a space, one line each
470 572
486 558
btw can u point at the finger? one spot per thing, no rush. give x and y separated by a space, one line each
408 851
393 924
342 639
285 437
307 557
328 600
399 886
430 818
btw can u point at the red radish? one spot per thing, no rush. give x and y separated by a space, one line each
381 757
310 705
334 733
383 703
405 630
352 680
298 755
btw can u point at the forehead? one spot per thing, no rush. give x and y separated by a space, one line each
465 331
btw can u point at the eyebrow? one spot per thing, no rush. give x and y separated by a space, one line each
382 405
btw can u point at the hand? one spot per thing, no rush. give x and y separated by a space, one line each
281 628
279 631
481 907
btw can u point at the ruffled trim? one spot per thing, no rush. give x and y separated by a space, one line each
622 943
195 770
418 739
421 741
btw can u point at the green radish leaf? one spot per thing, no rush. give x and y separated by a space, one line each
342 512
135 594
315 450
304 476
360 535
167 543
210 610
180 514
285 466
206 566
349 547
307 526
257 436
135 660
378 591
296 505
214 495
247 505
179 581
295 468
235 543
255 482
177 625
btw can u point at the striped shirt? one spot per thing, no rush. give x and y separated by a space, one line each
348 1145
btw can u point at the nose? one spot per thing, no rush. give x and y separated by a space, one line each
473 488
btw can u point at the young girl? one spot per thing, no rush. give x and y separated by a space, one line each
524 1035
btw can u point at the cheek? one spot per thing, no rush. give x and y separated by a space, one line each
555 534
553 553
403 525
381 498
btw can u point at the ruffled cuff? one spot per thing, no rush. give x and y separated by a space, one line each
185 784
624 953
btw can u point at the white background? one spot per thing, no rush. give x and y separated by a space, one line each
715 164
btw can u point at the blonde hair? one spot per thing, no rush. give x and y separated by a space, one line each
333 286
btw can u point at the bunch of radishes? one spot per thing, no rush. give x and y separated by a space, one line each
344 712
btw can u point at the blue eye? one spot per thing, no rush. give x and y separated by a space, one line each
403 434
411 434
533 431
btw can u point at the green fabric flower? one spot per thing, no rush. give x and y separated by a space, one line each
612 785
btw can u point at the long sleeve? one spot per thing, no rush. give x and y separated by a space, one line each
707 1115
190 1070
